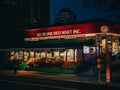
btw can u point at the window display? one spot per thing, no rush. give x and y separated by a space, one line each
31 54
21 55
16 54
70 54
12 55
49 54
56 54
86 49
37 55
26 55
62 55
43 54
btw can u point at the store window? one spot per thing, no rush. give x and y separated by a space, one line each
31 54
56 54
26 56
62 55
16 54
70 54
21 54
49 54
37 55
43 54
12 55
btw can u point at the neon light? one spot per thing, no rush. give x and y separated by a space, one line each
64 31
58 32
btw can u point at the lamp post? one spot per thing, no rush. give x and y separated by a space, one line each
105 29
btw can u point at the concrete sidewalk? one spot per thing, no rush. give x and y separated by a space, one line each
83 77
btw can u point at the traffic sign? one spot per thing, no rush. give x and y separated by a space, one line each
98 66
104 28
98 60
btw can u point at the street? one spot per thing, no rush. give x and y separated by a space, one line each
19 82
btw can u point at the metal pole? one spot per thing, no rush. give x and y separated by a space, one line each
105 30
108 76
99 76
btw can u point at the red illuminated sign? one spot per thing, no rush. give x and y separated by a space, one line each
66 31
58 33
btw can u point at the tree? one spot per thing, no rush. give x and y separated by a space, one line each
110 7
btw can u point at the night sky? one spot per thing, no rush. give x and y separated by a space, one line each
83 13
9 24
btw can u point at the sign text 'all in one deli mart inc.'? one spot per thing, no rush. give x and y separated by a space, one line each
55 35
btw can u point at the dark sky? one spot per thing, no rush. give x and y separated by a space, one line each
82 13
9 24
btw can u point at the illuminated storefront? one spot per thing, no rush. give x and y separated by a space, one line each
67 46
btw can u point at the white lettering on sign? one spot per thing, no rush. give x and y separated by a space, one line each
42 34
76 31
49 33
58 33
66 34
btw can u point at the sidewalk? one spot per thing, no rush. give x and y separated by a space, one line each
83 77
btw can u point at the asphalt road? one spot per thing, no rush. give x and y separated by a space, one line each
30 83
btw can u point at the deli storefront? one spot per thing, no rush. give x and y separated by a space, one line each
68 48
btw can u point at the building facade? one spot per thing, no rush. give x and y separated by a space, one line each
36 13
73 47
64 16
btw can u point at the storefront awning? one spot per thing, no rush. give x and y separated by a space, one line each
55 43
